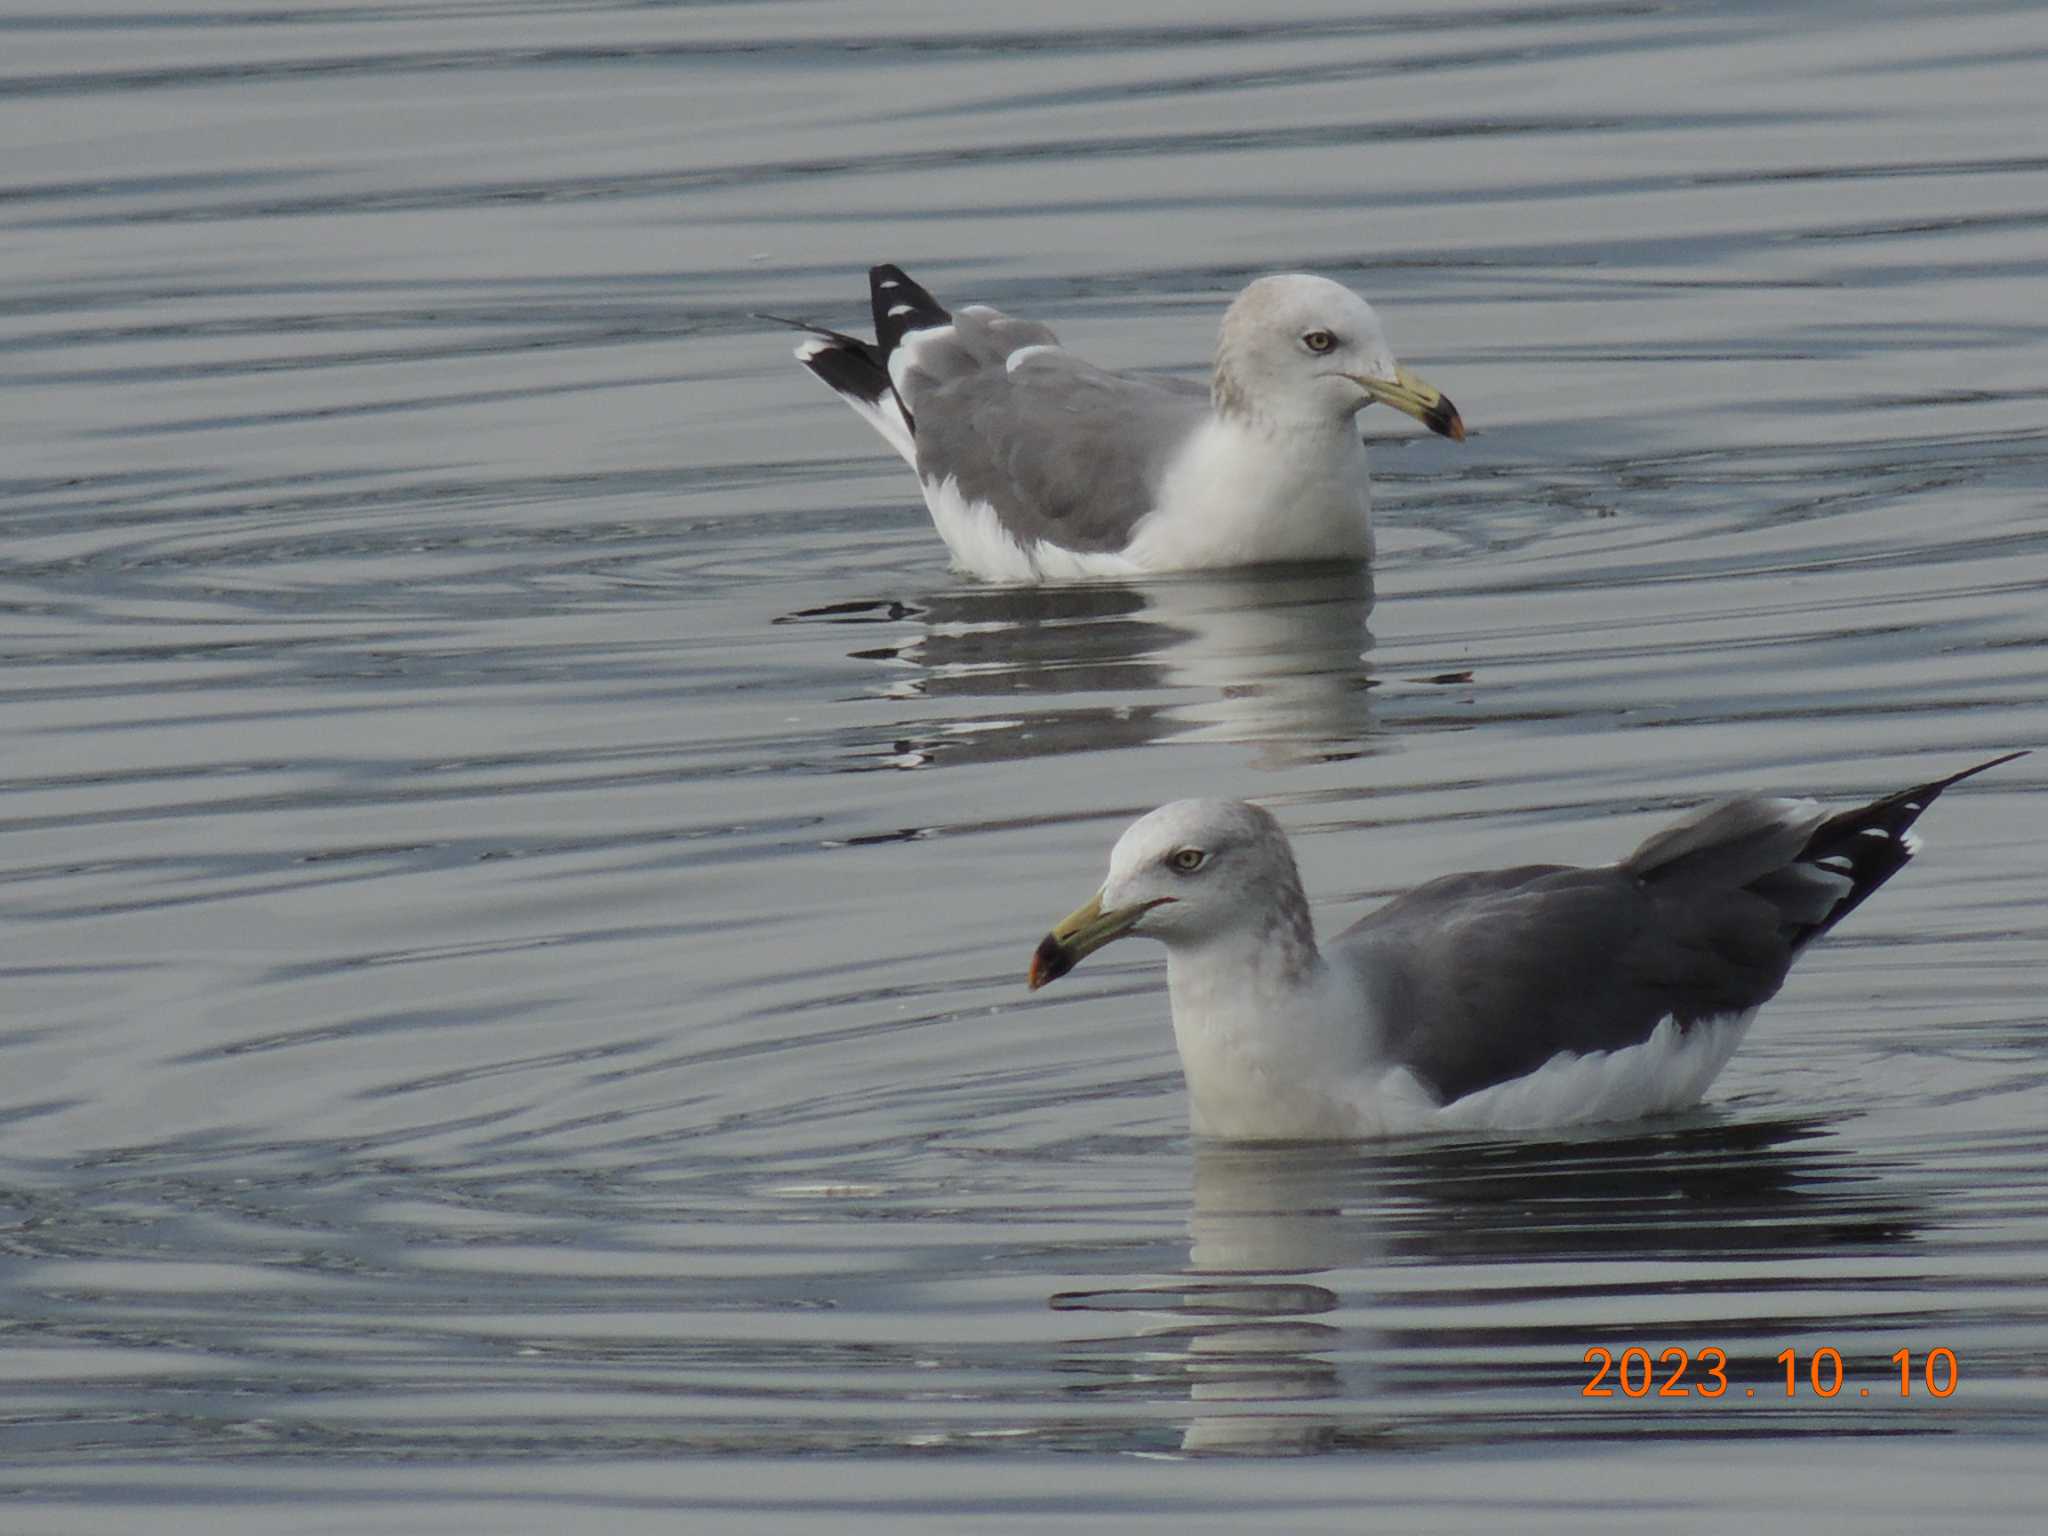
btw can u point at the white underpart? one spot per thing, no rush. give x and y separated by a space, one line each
984 548
1670 1070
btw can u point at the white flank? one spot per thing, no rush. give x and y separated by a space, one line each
981 546
1670 1070
1236 496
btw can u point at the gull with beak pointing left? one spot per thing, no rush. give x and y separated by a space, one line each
1504 999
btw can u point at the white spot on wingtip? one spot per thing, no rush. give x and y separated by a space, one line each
902 309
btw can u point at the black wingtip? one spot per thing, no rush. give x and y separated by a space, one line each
901 306
849 366
1896 813
1920 796
1869 844
811 327
794 325
1931 790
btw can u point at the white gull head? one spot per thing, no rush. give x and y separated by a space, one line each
1204 876
1204 869
1299 351
1263 1030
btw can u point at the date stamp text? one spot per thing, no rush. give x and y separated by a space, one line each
1680 1372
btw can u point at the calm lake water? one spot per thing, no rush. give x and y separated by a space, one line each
519 858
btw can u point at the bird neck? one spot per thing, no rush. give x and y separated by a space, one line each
1241 974
1244 493
1249 1017
1274 414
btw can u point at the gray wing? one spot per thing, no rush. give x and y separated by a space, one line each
1064 451
1484 977
1481 978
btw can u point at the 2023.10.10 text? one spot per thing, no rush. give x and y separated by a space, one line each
1704 1373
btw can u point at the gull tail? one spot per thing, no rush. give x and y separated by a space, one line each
1869 845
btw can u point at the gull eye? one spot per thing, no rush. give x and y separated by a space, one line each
1188 860
1319 342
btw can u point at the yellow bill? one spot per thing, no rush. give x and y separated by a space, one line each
1080 933
1410 395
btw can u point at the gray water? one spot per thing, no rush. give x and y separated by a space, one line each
519 857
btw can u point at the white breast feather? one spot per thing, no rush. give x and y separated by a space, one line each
1239 495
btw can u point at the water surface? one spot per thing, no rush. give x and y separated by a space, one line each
519 856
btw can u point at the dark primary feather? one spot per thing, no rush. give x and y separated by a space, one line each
1871 842
850 366
860 368
1482 978
890 289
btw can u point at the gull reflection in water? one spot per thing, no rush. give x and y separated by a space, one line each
1272 657
1299 1326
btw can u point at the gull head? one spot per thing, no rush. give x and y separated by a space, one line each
1189 873
1297 348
